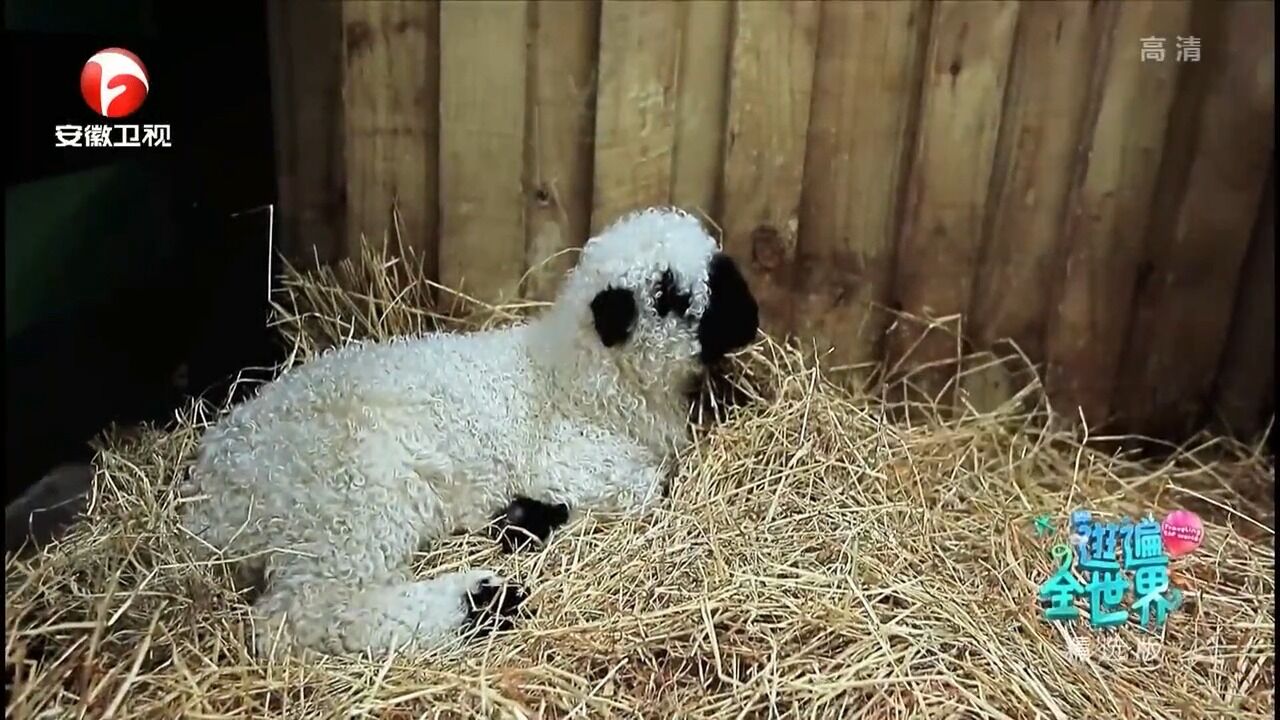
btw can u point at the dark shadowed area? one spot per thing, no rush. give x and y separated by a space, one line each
134 276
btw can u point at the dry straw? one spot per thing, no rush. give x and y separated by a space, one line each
818 559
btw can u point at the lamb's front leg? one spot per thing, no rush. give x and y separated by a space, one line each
525 523
606 475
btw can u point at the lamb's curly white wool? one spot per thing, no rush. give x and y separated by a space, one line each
335 473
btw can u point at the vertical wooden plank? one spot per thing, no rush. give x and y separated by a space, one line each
482 146
1183 309
1045 108
701 83
772 61
560 133
390 90
865 88
1244 397
635 110
306 55
964 83
1108 215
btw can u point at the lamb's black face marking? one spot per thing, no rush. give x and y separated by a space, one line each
526 522
668 298
614 312
732 316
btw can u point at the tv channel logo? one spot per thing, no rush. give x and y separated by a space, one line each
114 84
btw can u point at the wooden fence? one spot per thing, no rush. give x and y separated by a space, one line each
1088 180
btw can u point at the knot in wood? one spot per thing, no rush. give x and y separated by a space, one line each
358 35
767 247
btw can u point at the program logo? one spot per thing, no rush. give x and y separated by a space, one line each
114 83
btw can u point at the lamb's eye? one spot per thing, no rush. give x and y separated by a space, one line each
668 299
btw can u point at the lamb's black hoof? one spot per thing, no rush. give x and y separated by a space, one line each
527 523
492 606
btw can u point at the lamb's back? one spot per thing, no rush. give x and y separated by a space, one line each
432 421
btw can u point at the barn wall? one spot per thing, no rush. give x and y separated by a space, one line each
1018 173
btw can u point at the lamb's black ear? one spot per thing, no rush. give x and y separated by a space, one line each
614 312
668 298
732 316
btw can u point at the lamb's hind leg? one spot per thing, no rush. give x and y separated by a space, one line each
305 610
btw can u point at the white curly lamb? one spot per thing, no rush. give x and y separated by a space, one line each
324 483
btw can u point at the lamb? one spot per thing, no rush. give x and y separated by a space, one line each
326 481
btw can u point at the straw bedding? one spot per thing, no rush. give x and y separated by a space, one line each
826 553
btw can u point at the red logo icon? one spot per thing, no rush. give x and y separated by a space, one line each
1182 532
114 83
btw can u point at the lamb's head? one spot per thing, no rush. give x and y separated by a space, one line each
658 297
